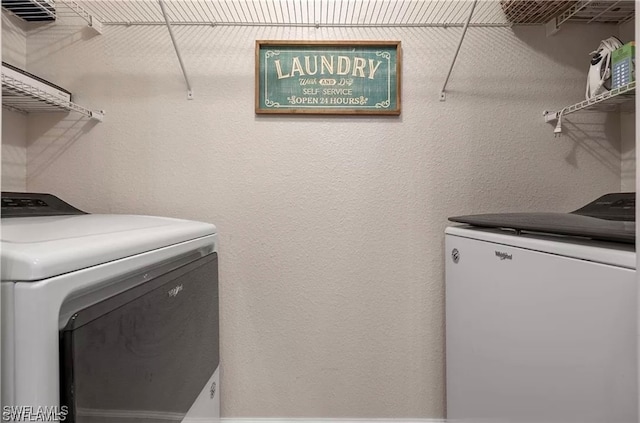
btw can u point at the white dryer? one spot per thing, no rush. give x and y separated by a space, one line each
542 327
107 318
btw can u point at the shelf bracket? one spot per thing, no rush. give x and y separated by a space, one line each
91 20
97 115
175 45
554 24
443 94
550 117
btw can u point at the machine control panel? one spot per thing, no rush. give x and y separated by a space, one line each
21 204
616 206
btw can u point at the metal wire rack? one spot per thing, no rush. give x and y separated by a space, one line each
355 13
344 13
328 13
585 11
22 97
50 11
606 102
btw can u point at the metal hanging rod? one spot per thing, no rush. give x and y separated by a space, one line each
443 95
175 46
312 25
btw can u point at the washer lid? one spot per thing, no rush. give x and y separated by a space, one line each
608 218
35 248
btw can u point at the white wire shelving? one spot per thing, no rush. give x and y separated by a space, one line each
296 13
357 13
50 11
588 11
25 98
74 9
342 13
606 102
360 13
19 95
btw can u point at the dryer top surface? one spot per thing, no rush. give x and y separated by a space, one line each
35 248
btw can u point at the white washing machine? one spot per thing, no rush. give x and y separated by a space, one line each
107 318
541 326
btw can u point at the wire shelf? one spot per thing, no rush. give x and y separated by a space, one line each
609 101
31 10
357 13
20 96
50 11
533 12
611 11
336 13
604 102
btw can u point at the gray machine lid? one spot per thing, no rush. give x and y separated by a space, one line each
28 204
42 237
608 218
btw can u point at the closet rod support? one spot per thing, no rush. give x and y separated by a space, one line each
175 46
443 95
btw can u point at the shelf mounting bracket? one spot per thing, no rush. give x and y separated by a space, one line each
553 26
175 46
91 20
443 93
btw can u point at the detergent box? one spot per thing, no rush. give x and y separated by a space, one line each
623 65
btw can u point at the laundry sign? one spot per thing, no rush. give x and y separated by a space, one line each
328 77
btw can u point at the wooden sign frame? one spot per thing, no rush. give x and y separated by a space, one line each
328 77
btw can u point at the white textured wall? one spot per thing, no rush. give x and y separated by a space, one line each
14 125
331 227
14 151
628 148
628 127
14 41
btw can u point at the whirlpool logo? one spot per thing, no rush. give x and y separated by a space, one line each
455 255
504 256
212 390
175 291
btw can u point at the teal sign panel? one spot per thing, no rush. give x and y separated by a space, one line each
360 77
